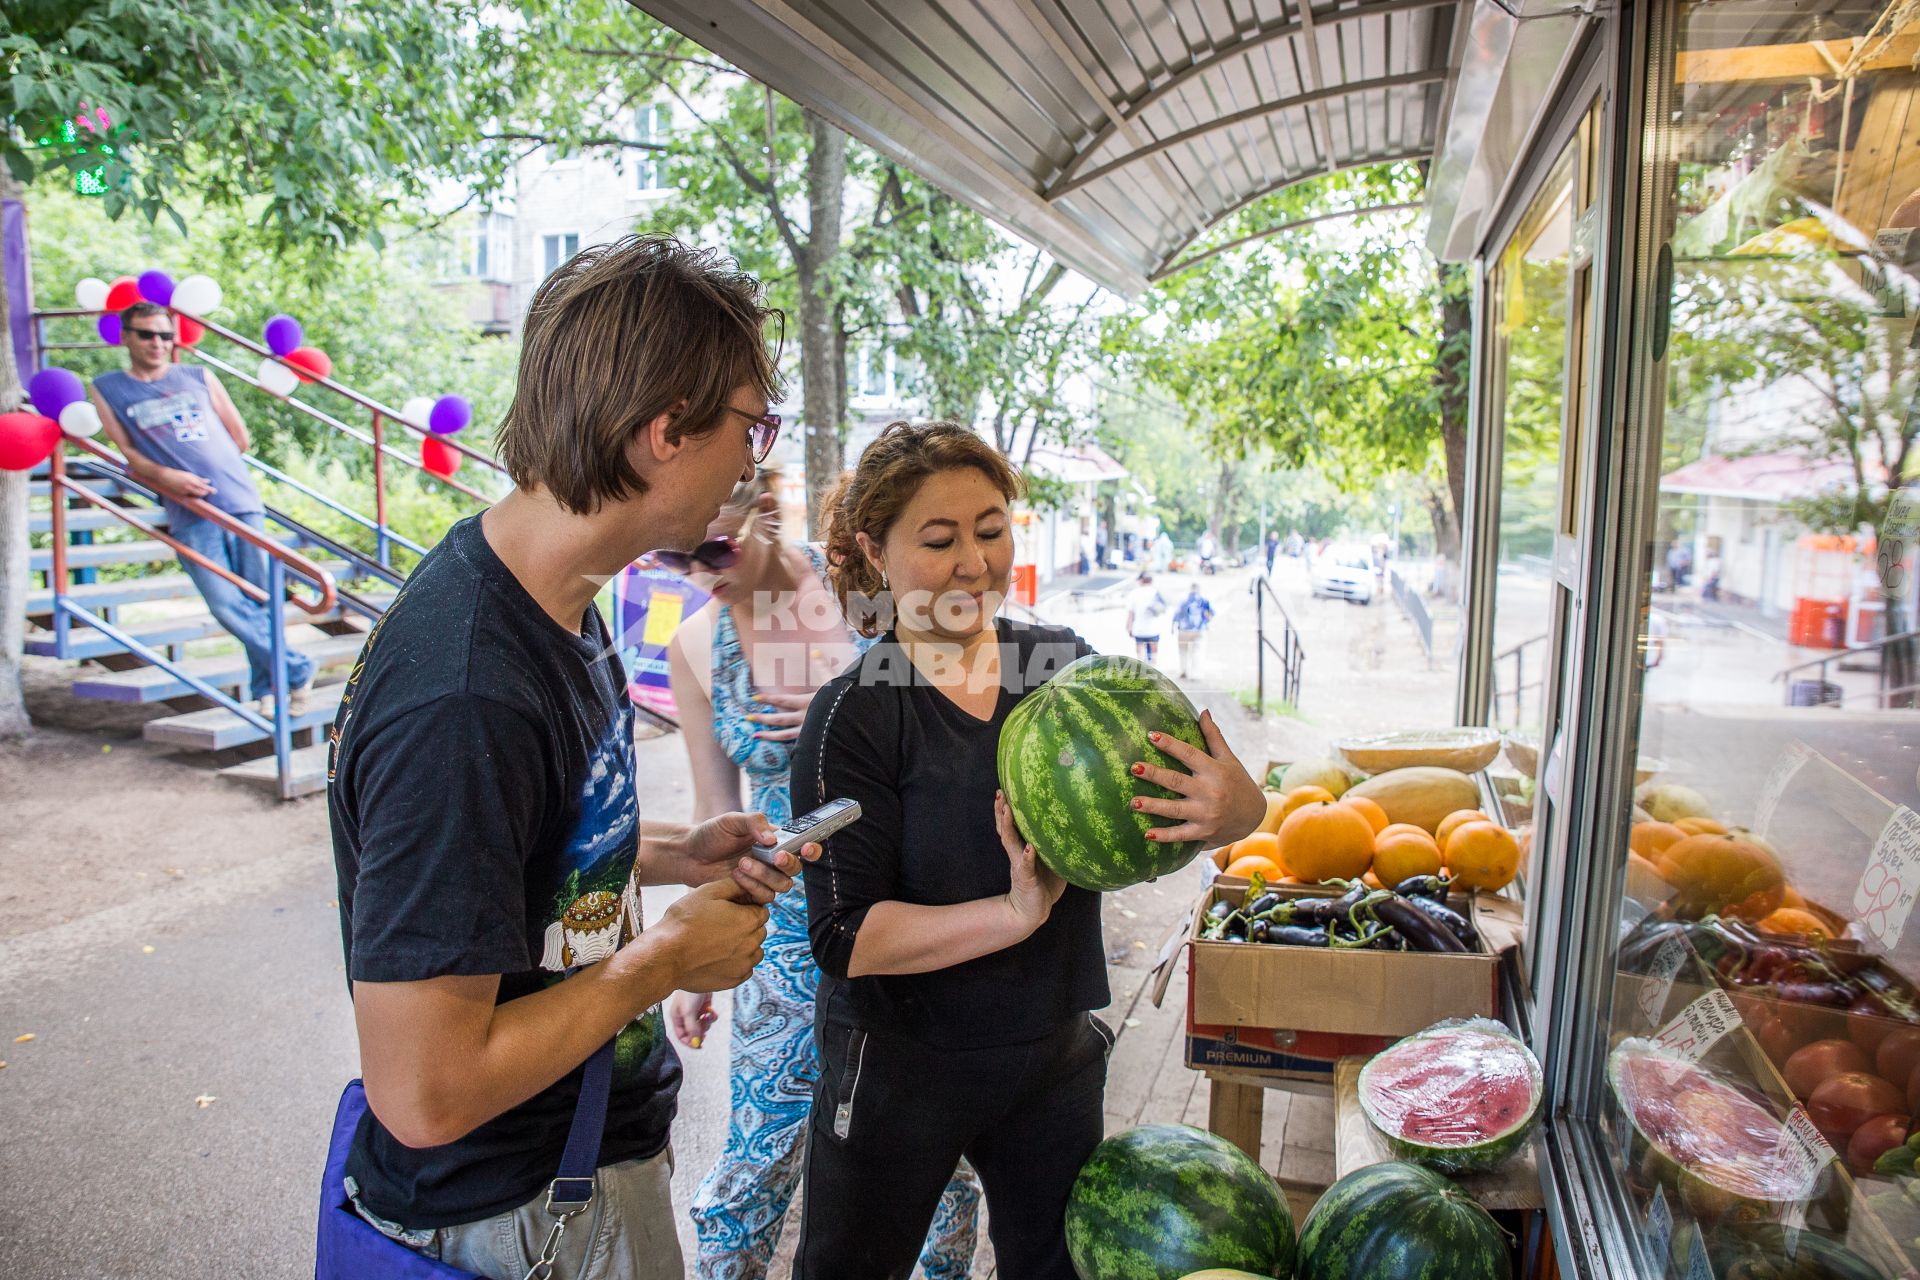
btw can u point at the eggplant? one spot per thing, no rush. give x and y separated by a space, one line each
1456 924
1421 930
1257 931
1220 910
1434 887
1265 902
1236 928
1833 995
1298 935
1325 910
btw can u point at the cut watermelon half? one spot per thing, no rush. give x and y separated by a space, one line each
1459 1097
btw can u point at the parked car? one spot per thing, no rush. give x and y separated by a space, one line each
1344 571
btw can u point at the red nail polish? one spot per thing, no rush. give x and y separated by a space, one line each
1139 770
1136 804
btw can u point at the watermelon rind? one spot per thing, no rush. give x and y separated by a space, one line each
1166 1200
1065 761
1400 1221
1475 1046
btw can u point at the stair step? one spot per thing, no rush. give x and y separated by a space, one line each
98 555
226 671
306 765
216 728
98 595
85 642
40 488
90 518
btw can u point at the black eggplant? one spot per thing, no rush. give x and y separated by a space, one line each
1434 887
1297 935
1324 910
1456 923
1421 931
1265 902
1220 910
1257 931
1236 928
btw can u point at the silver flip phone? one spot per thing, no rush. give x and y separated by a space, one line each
815 826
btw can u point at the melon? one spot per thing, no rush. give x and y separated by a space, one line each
1423 795
1398 1221
1670 802
1330 774
1065 757
1468 748
1458 1097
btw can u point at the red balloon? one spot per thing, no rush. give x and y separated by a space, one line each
439 457
123 293
187 331
312 359
26 440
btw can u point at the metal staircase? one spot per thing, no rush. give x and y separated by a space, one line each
106 588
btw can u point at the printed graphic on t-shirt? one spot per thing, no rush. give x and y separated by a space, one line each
179 415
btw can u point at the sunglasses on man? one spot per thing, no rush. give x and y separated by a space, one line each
713 555
153 335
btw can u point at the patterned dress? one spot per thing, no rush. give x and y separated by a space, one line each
738 1208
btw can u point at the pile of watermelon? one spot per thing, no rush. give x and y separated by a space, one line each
1460 1096
1400 1221
1065 759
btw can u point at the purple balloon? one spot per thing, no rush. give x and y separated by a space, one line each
283 334
156 286
450 413
53 389
109 327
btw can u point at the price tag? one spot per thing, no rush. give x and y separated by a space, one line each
1776 785
1659 1231
1803 1151
1889 885
1698 1268
1658 983
1700 1025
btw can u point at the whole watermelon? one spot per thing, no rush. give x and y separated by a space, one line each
1066 754
1398 1221
1163 1201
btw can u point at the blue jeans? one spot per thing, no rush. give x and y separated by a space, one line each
246 619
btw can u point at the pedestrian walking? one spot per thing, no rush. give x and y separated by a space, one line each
1190 622
1273 549
1146 616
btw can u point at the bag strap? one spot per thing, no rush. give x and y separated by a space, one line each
571 1190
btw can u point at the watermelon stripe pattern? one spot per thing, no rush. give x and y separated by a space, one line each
1398 1221
1163 1201
1065 756
1459 1097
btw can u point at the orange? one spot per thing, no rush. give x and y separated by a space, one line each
1458 818
1222 856
1276 810
1402 852
1371 881
1325 841
1649 838
1701 827
1793 920
1727 874
1370 810
1251 864
1790 897
1481 855
1303 795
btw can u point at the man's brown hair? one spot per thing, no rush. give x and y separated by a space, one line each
619 335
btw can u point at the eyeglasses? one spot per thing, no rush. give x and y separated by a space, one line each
153 335
713 555
761 431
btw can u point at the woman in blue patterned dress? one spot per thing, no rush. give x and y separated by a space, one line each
743 669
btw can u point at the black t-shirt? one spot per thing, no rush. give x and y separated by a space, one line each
485 821
924 773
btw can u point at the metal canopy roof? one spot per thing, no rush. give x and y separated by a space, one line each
1113 132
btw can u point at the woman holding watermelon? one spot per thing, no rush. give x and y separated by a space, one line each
958 973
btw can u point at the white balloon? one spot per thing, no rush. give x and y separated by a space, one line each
195 296
417 410
276 379
91 294
80 419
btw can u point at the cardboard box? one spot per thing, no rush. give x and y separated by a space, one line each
1339 993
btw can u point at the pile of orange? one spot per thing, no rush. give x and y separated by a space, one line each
1309 837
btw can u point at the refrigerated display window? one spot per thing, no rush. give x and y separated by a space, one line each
1763 1056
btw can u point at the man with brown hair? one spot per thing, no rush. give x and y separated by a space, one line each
486 825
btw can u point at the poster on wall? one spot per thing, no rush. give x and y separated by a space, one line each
648 607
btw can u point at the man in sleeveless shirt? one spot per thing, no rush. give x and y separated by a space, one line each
182 438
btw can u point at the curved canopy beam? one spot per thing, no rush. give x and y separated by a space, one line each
1408 79
1198 258
1272 188
1238 47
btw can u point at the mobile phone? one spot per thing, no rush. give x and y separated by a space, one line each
813 826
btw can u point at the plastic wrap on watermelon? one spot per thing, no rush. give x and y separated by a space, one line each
1460 1097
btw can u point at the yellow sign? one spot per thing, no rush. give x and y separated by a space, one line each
663 618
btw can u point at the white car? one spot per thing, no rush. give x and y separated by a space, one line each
1343 573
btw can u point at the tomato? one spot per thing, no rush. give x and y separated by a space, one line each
1811 1021
1842 1103
1899 1054
1873 1139
1818 1062
1776 1039
1869 1024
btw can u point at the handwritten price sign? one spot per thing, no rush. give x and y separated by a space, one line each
1803 1151
1658 983
1891 882
1700 1026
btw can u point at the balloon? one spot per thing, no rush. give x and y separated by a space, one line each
26 440
80 419
196 295
417 410
187 331
450 413
53 389
283 334
311 359
439 457
122 293
276 379
156 286
109 327
91 293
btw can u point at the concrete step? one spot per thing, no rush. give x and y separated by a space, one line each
227 671
99 595
87 519
306 765
85 642
40 488
98 555
216 728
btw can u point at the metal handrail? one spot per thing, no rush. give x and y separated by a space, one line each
1291 653
1518 653
1841 655
1883 694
